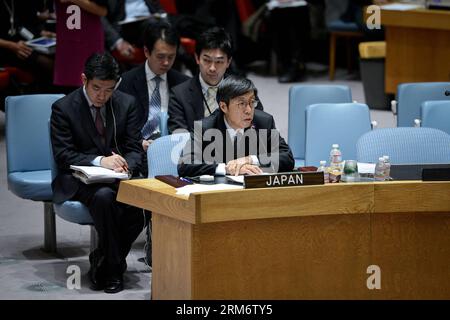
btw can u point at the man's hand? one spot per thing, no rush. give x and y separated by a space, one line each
125 49
115 162
146 144
21 50
242 166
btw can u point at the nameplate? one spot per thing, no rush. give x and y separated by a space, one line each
288 179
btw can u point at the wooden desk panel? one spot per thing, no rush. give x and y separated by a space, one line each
417 46
321 253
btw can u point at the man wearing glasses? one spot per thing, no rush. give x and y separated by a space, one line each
196 98
237 139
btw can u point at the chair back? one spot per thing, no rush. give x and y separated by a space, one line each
163 154
405 146
27 139
301 96
410 97
330 123
436 114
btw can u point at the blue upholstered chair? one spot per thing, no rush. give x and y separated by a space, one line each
405 146
28 154
436 114
163 154
301 96
330 123
72 211
410 97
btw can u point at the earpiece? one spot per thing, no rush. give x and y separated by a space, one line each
118 84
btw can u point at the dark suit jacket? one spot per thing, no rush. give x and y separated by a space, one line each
135 84
116 13
186 105
264 150
75 140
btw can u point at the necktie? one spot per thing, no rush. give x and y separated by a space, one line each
153 111
99 124
211 100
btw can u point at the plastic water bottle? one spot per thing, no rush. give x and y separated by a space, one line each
335 158
387 167
380 170
323 168
335 169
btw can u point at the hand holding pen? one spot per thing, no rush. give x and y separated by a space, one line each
115 162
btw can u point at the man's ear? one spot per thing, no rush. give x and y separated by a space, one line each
146 52
84 79
223 106
197 58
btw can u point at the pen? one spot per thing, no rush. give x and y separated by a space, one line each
124 167
186 180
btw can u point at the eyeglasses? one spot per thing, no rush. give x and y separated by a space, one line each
243 104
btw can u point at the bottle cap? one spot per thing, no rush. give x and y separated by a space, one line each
381 159
323 162
386 157
335 145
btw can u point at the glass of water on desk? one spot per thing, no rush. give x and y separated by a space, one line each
350 173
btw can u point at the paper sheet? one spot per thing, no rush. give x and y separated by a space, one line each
187 190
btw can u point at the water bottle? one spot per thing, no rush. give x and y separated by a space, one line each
380 170
323 168
387 167
335 158
335 169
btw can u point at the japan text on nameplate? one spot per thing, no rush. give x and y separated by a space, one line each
287 179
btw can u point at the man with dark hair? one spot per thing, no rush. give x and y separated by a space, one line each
152 79
196 98
237 139
98 126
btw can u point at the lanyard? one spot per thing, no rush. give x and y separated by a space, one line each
12 29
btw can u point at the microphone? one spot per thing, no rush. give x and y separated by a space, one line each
447 93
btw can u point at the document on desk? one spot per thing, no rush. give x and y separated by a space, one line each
366 168
93 174
285 4
187 190
401 6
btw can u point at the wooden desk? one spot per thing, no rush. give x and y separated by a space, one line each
313 242
417 46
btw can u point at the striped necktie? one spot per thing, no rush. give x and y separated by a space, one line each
153 111
211 100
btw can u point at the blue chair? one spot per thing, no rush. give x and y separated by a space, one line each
163 154
301 96
405 146
28 154
436 114
410 97
330 123
72 211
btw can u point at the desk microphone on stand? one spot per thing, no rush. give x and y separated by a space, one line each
447 93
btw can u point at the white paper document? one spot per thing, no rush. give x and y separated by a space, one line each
190 188
285 4
401 6
366 168
93 174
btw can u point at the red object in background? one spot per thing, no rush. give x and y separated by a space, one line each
4 79
23 77
171 8
307 169
138 57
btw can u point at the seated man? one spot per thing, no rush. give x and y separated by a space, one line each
196 98
150 82
97 126
237 139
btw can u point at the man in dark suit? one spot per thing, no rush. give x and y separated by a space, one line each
160 46
237 139
196 98
119 36
97 126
